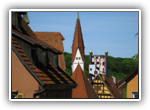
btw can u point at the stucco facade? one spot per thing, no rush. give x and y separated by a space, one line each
132 86
78 59
22 80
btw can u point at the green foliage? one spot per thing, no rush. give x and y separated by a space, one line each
135 59
125 93
136 34
119 67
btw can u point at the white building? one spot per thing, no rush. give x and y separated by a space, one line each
98 65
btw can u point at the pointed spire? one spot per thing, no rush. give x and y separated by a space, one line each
77 40
77 15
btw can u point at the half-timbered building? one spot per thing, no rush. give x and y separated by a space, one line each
106 87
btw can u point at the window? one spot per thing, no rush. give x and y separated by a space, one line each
79 58
76 58
53 58
41 56
55 61
90 69
33 55
97 62
44 59
135 95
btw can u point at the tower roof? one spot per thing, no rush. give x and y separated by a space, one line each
78 40
84 88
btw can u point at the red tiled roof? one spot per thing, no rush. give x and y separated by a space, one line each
78 41
55 39
84 88
28 33
117 93
134 72
49 76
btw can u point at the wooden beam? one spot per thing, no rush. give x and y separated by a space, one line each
122 84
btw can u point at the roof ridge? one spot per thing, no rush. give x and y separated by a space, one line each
87 88
56 33
132 72
33 37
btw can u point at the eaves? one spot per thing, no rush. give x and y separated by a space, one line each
26 66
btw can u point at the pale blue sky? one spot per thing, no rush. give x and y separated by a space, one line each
112 31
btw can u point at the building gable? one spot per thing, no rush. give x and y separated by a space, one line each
84 88
100 88
77 60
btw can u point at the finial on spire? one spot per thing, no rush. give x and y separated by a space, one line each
77 15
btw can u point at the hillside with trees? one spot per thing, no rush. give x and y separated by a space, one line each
119 67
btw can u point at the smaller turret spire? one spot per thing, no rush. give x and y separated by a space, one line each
77 15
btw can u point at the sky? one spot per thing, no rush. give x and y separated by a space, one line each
101 31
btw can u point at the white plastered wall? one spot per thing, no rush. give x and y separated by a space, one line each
78 59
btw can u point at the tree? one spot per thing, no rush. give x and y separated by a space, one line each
125 93
136 34
135 59
136 56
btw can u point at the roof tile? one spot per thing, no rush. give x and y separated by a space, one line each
84 88
128 76
112 88
78 41
55 39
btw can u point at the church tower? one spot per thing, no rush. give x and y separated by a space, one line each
77 47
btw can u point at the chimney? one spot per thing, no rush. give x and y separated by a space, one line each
114 79
103 75
25 17
106 63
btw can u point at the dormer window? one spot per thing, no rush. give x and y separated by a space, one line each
41 56
53 58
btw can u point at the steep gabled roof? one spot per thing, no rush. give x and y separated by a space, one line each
27 34
108 82
84 88
117 93
54 39
45 76
77 41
